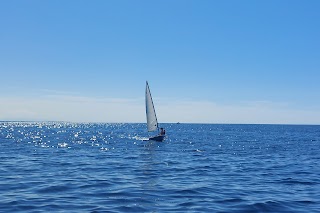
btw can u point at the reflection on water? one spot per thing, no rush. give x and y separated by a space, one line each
58 167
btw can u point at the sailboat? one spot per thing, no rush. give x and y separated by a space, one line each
152 122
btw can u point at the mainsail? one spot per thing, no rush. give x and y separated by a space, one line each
152 122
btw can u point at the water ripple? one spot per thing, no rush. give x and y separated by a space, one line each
88 167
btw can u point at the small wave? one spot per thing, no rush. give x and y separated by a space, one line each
291 181
54 189
138 138
273 206
63 145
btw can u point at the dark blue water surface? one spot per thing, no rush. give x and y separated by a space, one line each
87 167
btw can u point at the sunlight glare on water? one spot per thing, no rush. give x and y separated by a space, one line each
98 167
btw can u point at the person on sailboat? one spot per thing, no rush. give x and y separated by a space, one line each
162 131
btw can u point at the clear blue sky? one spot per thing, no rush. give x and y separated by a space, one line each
206 61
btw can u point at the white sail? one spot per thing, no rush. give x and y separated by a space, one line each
152 122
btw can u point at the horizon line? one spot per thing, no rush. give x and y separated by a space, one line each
178 123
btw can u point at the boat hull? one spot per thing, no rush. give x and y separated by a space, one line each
158 138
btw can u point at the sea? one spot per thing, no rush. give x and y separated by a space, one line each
112 167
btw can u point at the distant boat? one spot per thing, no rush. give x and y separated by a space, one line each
152 122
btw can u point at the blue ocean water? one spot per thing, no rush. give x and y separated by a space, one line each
91 167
